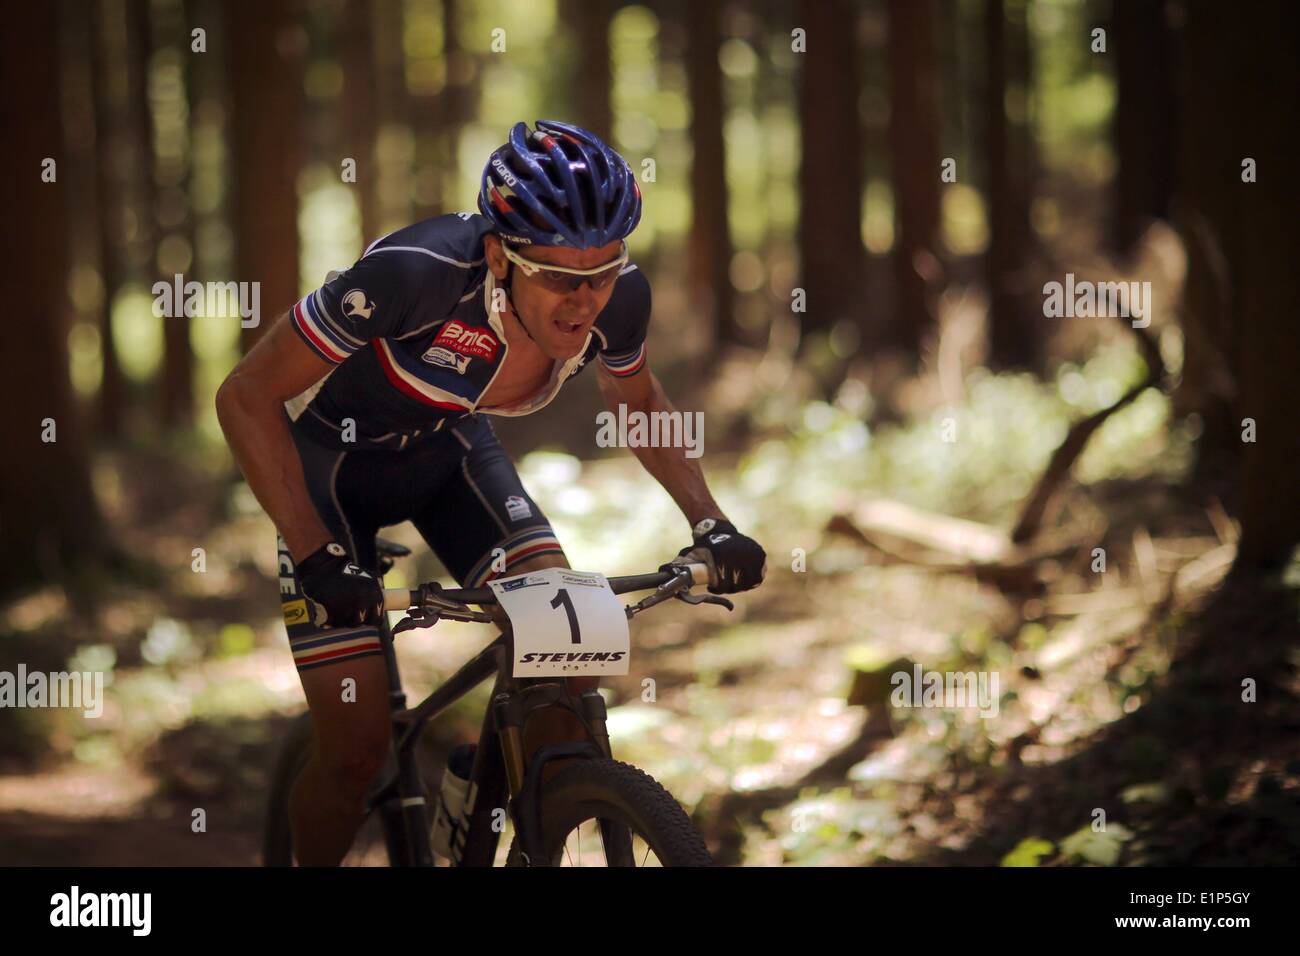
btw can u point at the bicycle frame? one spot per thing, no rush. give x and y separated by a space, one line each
502 774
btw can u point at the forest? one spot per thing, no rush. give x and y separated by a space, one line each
989 310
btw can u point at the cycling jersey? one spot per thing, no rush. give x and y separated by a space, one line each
458 488
416 343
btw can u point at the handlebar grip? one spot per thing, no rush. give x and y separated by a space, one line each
398 599
699 572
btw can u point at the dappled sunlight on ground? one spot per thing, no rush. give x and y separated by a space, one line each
774 725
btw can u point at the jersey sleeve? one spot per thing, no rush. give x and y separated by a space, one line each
625 335
383 295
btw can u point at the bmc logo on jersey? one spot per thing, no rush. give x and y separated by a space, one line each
437 355
467 341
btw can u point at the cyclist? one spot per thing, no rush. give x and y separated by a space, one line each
435 327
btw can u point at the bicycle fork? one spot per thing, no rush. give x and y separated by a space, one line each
524 777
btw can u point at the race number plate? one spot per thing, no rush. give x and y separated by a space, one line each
566 623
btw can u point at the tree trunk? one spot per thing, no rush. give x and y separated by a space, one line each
393 115
459 102
108 66
1015 335
1206 215
176 395
1242 355
266 77
430 177
914 155
357 48
590 20
708 268
1266 107
830 171
140 131
50 520
1145 117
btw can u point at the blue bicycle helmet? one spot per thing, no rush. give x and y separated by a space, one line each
559 185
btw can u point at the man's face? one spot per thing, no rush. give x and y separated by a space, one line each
557 321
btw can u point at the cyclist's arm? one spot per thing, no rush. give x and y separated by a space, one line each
680 476
250 407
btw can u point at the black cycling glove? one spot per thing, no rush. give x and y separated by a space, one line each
344 594
736 562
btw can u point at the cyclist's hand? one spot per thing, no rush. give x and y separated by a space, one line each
344 594
736 562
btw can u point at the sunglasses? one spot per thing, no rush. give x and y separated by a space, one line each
562 280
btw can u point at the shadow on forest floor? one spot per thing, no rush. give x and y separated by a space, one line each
1214 777
750 726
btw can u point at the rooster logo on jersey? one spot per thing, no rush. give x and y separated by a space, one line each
356 305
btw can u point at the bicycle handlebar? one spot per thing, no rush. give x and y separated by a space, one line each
400 599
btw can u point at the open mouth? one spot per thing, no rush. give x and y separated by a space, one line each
568 328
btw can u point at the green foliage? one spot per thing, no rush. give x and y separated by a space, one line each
818 829
1155 792
1002 437
1087 845
93 657
1029 852
237 639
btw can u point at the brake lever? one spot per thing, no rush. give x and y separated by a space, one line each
433 606
416 618
704 599
662 593
431 599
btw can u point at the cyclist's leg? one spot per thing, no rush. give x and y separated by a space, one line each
349 707
483 524
343 677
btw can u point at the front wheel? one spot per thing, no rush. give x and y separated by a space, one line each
589 809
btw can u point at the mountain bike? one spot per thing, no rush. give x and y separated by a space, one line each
631 816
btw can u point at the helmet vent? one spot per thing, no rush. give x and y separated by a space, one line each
570 188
